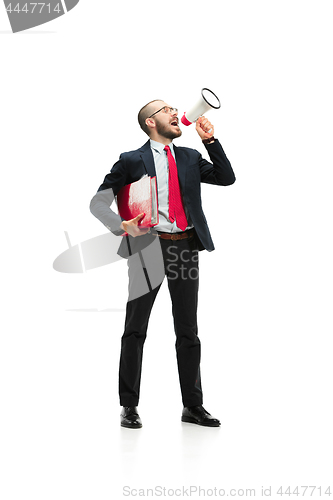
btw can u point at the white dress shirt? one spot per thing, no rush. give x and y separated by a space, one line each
162 175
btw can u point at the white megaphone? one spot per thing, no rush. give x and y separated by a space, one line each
207 101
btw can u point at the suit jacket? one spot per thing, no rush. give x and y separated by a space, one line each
192 170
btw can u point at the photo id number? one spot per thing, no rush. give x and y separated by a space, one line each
33 7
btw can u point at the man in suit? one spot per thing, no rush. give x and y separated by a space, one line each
169 249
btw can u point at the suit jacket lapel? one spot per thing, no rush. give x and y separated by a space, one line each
148 159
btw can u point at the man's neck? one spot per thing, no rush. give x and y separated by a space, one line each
162 140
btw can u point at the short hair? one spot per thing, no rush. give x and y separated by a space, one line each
144 113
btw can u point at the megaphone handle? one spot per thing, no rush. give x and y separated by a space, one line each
210 130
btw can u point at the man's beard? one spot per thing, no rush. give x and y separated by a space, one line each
167 132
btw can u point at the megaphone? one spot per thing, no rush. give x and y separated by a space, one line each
207 101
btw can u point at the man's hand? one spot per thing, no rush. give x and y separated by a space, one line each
131 226
204 128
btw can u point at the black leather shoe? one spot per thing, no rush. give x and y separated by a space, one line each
198 415
130 418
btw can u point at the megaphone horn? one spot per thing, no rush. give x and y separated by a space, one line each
207 101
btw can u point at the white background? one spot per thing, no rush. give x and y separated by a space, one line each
70 93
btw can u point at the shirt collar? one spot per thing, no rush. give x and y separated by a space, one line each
159 147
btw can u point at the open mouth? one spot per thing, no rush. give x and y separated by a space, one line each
174 123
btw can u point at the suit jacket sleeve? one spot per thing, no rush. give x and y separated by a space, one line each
100 205
218 172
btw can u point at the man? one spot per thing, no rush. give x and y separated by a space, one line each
182 230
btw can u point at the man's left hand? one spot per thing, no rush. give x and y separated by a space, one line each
204 128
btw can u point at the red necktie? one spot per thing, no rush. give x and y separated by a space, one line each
176 206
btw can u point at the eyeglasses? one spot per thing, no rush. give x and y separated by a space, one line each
166 109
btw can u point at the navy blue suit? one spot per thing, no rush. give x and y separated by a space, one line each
192 170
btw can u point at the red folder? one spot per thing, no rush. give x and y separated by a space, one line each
138 197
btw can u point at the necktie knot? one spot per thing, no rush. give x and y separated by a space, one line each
167 148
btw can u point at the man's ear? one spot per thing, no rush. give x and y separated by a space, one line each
150 123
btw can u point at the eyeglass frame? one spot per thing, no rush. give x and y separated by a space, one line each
168 107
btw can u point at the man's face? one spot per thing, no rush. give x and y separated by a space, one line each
166 123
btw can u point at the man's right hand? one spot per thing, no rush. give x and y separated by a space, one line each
131 226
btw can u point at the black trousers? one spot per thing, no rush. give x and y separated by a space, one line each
180 265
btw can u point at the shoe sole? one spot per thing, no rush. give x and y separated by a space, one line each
131 426
190 420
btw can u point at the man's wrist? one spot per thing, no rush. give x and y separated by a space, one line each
210 140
